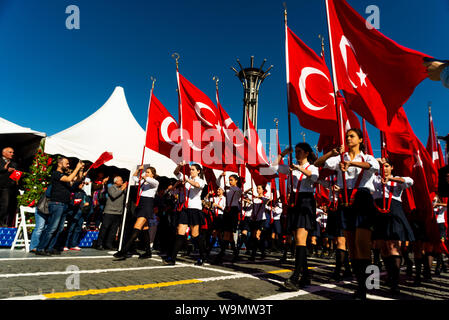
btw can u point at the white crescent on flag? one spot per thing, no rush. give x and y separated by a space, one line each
198 107
164 129
305 73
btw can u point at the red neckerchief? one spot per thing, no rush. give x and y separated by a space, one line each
357 183
390 197
298 186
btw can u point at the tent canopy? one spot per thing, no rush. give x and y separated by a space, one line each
25 141
111 128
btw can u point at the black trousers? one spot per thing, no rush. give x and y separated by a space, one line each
4 206
108 230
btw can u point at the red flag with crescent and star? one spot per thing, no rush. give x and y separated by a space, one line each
161 135
201 126
376 74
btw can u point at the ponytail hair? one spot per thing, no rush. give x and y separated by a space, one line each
311 158
360 135
236 177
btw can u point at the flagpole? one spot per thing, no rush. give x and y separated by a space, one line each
144 144
337 107
383 155
290 161
131 174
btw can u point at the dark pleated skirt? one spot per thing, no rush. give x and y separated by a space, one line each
392 225
303 214
361 214
333 226
191 217
145 208
230 220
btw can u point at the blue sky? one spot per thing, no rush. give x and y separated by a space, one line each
52 77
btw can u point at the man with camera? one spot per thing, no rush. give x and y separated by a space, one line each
61 189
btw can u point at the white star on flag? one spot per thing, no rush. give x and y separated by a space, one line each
362 77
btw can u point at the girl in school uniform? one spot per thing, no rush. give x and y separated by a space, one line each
245 223
259 224
302 208
391 227
191 214
218 205
144 212
233 193
357 211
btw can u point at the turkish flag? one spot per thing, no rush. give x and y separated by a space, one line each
411 159
201 126
16 175
433 146
161 126
257 159
104 157
234 140
309 87
210 178
376 74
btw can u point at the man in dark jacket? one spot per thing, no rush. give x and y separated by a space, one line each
112 214
7 166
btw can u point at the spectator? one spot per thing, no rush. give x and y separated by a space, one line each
7 166
438 70
58 205
41 220
112 214
78 208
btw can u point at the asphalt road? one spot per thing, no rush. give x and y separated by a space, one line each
94 275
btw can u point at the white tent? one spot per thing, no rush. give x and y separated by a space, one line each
111 128
25 141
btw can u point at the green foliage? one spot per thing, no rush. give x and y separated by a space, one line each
36 180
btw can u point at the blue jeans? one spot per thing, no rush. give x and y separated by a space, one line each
41 221
75 226
54 227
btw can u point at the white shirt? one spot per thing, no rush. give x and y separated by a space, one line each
276 211
353 172
220 201
148 186
193 193
307 183
248 207
260 209
439 213
397 188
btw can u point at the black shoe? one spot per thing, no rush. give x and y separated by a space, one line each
291 284
42 253
119 255
304 282
417 282
199 262
169 261
235 258
54 252
347 274
336 276
409 270
263 255
145 255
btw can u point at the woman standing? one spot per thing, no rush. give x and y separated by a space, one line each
144 213
230 215
358 211
191 214
392 227
259 225
302 209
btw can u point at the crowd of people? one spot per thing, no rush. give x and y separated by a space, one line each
361 223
